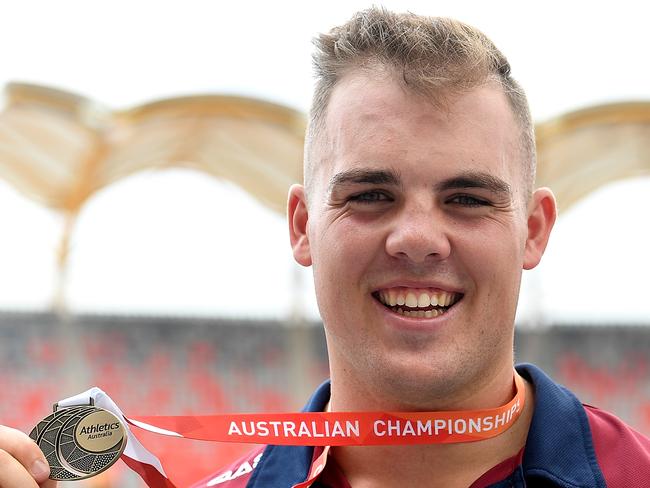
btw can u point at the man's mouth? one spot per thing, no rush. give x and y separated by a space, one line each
417 302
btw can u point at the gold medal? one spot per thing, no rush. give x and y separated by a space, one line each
80 442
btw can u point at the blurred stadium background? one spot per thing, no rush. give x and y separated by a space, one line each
144 249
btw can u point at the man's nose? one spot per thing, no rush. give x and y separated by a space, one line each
419 233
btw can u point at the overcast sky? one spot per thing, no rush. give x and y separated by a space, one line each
182 242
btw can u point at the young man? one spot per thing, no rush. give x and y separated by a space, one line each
418 215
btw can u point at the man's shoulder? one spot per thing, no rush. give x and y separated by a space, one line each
580 444
236 475
622 453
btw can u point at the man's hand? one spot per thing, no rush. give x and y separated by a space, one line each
22 464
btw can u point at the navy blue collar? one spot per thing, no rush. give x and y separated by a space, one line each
559 446
559 449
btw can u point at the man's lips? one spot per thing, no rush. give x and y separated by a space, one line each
417 302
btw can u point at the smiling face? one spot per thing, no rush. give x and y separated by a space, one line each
417 228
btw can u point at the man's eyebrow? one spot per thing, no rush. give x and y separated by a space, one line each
475 179
367 176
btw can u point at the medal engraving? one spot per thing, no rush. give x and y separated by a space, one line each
80 442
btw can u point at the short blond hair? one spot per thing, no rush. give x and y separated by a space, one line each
434 56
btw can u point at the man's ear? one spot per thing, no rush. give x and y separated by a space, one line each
298 220
541 217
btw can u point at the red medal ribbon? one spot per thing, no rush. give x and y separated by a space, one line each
343 428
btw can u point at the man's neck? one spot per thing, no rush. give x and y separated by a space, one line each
433 465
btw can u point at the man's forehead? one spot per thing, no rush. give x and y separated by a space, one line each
360 101
378 122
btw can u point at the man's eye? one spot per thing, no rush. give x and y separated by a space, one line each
468 201
370 197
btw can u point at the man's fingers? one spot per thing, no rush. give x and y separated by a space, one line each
19 453
13 474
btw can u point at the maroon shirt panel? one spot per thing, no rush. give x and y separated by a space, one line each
623 454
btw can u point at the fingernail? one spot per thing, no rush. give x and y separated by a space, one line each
40 470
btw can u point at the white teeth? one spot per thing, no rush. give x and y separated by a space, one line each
416 298
411 300
428 314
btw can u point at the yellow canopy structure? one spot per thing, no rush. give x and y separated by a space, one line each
59 148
